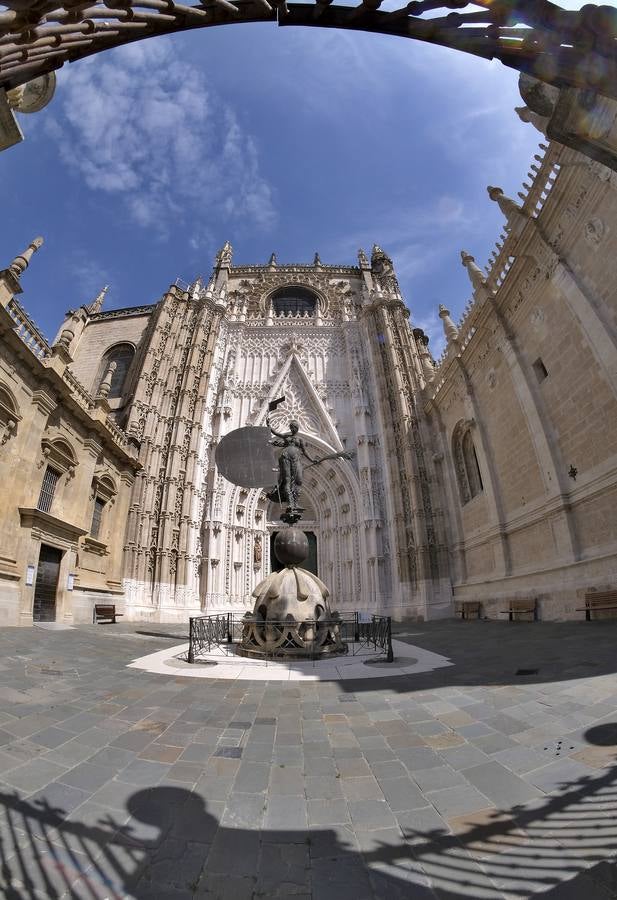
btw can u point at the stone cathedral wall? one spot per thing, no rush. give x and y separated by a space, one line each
532 369
491 475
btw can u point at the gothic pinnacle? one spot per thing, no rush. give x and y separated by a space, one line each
450 329
97 303
475 273
21 262
515 215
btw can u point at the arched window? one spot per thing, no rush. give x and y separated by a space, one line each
59 459
294 301
103 494
122 355
466 462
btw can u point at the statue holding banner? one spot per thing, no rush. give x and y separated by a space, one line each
287 489
292 616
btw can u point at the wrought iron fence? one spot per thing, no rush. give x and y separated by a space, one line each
224 632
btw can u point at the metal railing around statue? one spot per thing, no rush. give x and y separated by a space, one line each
224 632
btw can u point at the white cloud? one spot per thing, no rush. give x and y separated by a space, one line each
141 124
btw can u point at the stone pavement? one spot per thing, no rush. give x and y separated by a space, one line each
470 781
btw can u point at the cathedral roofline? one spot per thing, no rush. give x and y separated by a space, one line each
295 267
123 313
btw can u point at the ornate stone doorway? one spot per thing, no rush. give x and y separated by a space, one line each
46 586
311 562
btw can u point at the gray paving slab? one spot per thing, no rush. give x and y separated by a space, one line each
129 761
500 785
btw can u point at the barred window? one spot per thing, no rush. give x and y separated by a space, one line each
97 517
48 488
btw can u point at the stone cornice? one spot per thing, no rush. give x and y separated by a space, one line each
295 268
30 517
124 313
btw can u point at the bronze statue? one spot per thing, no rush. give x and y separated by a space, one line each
287 489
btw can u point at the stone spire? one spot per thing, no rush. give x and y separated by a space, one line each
97 303
21 262
450 329
224 256
272 261
362 259
515 215
317 261
476 276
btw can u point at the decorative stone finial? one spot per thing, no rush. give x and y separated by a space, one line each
272 260
474 271
362 259
528 116
422 342
515 215
97 303
66 336
450 329
21 262
105 385
224 256
317 260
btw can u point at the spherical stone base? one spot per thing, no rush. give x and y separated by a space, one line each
291 617
291 546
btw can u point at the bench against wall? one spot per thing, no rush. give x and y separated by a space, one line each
598 602
104 612
527 610
467 609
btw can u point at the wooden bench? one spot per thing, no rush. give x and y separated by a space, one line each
518 608
599 601
104 611
467 609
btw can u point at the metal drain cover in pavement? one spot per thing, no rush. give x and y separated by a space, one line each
560 748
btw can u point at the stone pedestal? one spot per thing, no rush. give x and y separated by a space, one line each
292 615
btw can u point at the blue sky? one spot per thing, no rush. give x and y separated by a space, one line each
294 140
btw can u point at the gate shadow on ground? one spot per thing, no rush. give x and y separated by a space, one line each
491 653
165 844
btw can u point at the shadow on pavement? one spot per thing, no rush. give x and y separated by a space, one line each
165 844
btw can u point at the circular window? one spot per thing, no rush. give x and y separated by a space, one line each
294 301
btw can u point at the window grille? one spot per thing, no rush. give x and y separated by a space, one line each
295 301
50 480
97 516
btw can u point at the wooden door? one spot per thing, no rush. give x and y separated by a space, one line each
46 584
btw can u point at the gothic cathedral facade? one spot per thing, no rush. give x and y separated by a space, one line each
488 475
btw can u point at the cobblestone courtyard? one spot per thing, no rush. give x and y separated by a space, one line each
494 777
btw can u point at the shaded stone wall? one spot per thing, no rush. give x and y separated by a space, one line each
532 367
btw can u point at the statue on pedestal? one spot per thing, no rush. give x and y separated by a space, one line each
291 616
287 489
